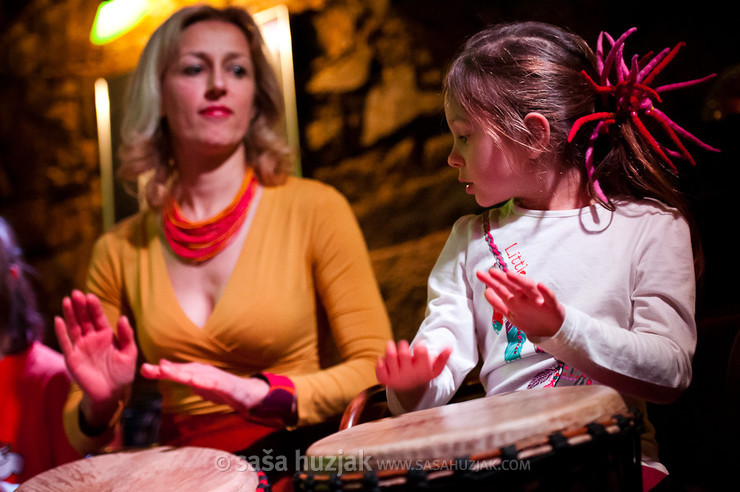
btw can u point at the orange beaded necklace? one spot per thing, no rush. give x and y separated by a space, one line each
200 241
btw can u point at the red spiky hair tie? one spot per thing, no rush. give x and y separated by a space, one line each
632 98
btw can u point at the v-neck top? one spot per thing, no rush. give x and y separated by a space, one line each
304 260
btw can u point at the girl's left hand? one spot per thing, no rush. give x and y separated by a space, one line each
211 383
530 306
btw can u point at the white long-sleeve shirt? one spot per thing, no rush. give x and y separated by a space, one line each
625 277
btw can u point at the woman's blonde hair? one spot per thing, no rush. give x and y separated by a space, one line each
145 147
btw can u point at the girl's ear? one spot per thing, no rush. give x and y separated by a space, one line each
539 131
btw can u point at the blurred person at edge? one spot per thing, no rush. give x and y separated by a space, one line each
33 379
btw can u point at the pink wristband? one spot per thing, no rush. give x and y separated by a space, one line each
280 401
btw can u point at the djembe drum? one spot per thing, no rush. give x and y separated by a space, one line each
158 469
570 438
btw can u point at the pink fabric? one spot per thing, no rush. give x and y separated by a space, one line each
34 386
280 403
651 477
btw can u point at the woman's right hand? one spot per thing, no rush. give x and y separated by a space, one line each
404 370
101 364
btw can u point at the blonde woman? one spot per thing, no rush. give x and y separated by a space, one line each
222 284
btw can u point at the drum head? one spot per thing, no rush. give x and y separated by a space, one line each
470 428
157 469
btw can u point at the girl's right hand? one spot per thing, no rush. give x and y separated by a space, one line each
403 370
100 364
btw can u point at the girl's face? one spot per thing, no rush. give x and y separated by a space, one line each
490 172
208 90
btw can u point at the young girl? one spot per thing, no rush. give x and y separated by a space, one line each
583 270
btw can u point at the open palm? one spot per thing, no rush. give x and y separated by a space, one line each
529 305
211 383
403 369
100 364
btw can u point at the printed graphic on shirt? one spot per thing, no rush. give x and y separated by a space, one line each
515 259
515 338
560 374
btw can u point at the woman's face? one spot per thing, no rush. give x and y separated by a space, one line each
487 170
208 89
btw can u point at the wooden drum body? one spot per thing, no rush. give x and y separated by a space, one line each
159 469
569 438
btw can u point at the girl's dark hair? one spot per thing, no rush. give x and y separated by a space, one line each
507 71
20 322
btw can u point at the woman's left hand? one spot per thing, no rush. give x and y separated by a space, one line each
530 306
211 383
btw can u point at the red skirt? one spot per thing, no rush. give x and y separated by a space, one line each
227 431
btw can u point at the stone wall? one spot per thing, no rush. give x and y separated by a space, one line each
368 76
49 184
369 105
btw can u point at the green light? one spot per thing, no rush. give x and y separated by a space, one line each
115 17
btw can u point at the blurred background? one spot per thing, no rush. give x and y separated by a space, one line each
366 116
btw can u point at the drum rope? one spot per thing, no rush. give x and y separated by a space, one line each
472 470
